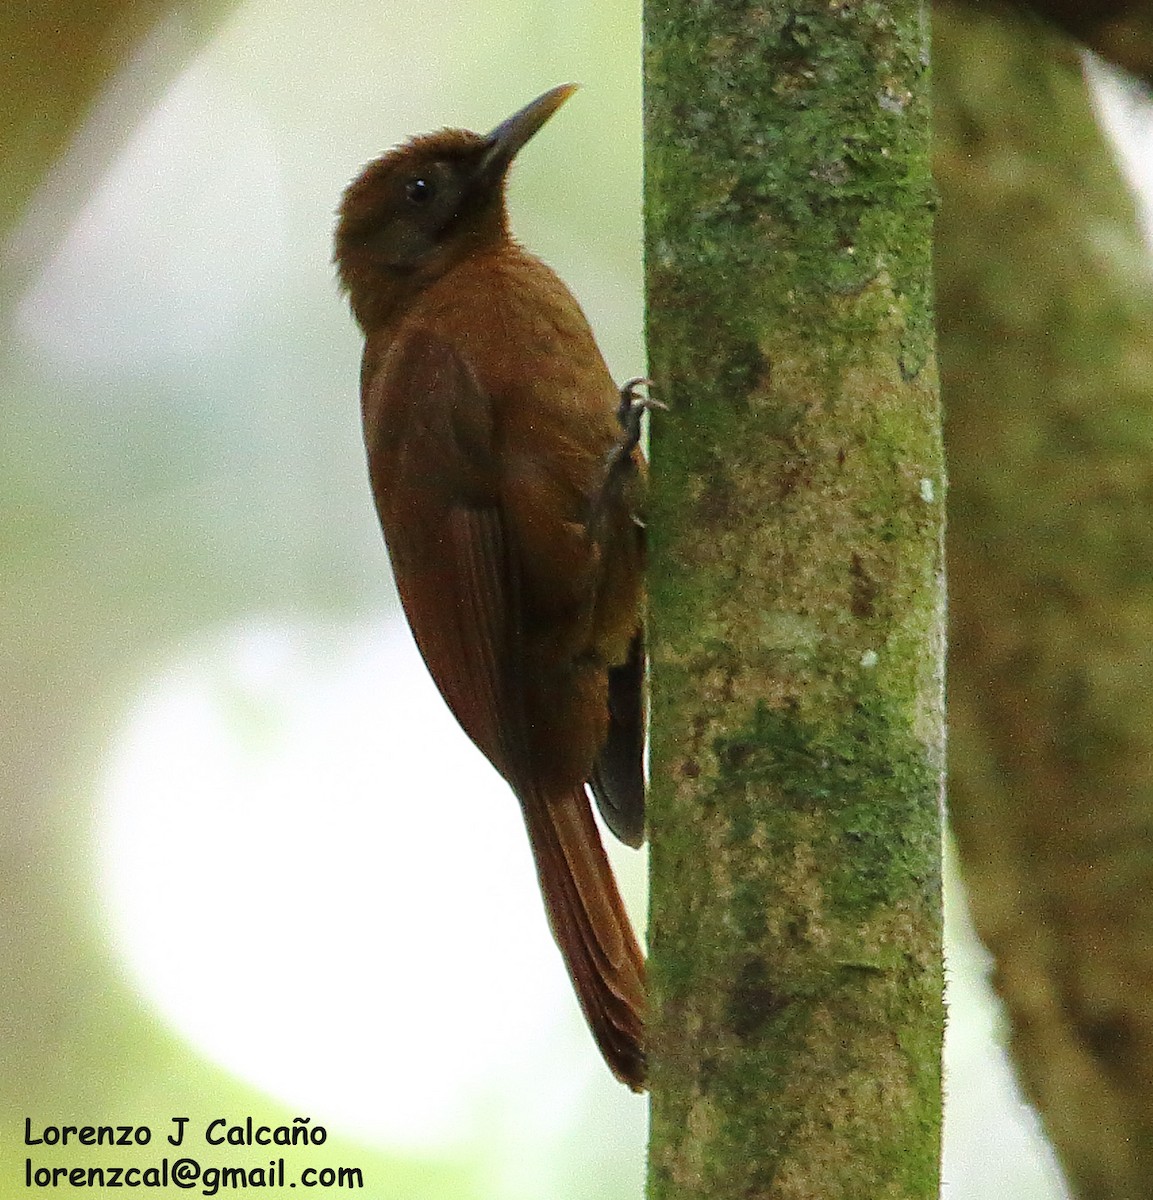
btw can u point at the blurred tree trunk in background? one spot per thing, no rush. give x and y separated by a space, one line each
59 658
797 623
57 57
1046 343
1118 30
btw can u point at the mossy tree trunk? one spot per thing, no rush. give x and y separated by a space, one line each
796 527
1046 318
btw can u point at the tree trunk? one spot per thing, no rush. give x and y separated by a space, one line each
58 62
796 527
1046 334
1118 30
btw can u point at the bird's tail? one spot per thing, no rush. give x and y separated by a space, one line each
592 929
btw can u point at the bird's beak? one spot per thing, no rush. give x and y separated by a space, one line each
506 140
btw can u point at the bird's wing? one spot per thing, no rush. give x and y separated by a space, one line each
618 778
429 432
429 435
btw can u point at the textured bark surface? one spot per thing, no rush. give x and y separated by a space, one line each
797 603
1046 319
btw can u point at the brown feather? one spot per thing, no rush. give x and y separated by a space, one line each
592 929
465 603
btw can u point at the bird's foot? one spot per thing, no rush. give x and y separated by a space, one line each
635 402
620 464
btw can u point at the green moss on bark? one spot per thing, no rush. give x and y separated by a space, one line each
796 603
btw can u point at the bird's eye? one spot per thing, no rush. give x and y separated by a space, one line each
419 190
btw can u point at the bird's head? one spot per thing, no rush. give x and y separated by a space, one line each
414 212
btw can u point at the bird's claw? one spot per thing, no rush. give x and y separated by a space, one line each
634 404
